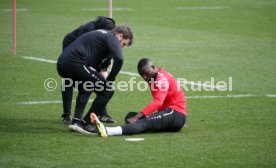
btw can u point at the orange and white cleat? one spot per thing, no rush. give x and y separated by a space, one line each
98 125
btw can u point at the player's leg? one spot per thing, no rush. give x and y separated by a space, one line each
78 83
81 101
77 123
129 129
80 74
99 104
137 127
67 103
168 121
66 92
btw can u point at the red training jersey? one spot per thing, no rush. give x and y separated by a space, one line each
166 93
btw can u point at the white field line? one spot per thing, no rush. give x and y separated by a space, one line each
46 102
129 73
40 59
187 97
106 9
201 7
126 73
54 62
17 10
271 95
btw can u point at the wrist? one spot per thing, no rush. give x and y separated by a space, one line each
140 115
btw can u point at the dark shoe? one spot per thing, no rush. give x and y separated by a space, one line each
106 119
67 120
89 128
77 126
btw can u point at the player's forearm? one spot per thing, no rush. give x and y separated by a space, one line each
152 107
115 69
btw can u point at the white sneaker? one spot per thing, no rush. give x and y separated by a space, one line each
100 127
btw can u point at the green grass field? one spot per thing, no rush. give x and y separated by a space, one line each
195 40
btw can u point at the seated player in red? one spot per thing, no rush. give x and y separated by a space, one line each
166 112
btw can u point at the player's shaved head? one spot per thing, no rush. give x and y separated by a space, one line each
146 69
143 63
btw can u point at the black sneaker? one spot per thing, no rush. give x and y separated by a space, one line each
106 119
67 120
88 127
77 125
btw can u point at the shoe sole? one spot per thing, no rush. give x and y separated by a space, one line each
79 129
100 127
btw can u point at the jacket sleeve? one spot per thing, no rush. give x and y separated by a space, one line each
159 96
116 52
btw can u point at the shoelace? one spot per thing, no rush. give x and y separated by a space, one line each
104 118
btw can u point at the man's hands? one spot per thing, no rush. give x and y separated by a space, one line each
136 117
104 74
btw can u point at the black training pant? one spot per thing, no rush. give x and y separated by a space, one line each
80 73
167 120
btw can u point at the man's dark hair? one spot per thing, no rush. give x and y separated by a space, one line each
103 22
126 32
142 63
